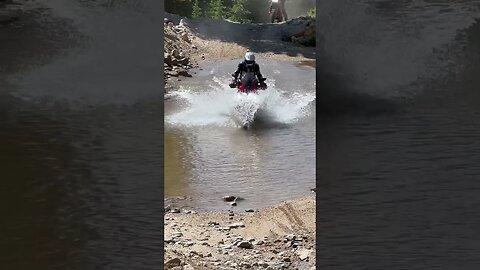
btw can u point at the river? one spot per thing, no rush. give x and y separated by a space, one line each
209 156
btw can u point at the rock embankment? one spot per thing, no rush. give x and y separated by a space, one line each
304 35
178 50
281 237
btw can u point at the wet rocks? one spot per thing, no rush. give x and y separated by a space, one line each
229 198
301 31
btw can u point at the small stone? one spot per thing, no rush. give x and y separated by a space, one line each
258 243
245 265
245 244
173 263
177 234
249 210
188 267
236 225
263 264
304 254
290 237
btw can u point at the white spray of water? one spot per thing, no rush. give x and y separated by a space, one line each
221 106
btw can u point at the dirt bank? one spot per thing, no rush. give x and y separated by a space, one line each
188 42
280 237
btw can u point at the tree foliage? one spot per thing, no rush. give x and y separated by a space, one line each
235 10
239 13
196 10
216 9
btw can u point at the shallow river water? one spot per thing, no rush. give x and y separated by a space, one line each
208 156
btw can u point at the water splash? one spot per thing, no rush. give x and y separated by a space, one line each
222 106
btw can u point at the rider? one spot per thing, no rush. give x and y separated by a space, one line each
248 65
281 5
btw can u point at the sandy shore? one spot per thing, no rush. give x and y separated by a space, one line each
279 237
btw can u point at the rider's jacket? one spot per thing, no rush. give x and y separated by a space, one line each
245 67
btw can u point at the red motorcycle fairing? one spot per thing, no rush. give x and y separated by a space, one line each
242 89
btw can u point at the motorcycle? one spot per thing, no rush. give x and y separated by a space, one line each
249 84
275 12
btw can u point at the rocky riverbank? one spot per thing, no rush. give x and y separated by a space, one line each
280 237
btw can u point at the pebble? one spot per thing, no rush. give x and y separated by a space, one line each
236 225
173 263
304 254
249 210
290 237
177 234
245 244
245 265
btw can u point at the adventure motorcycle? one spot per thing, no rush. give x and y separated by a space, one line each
275 12
248 84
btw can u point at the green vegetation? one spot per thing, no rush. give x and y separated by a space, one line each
312 12
196 10
239 13
242 11
216 9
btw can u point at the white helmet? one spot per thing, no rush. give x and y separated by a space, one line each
249 57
